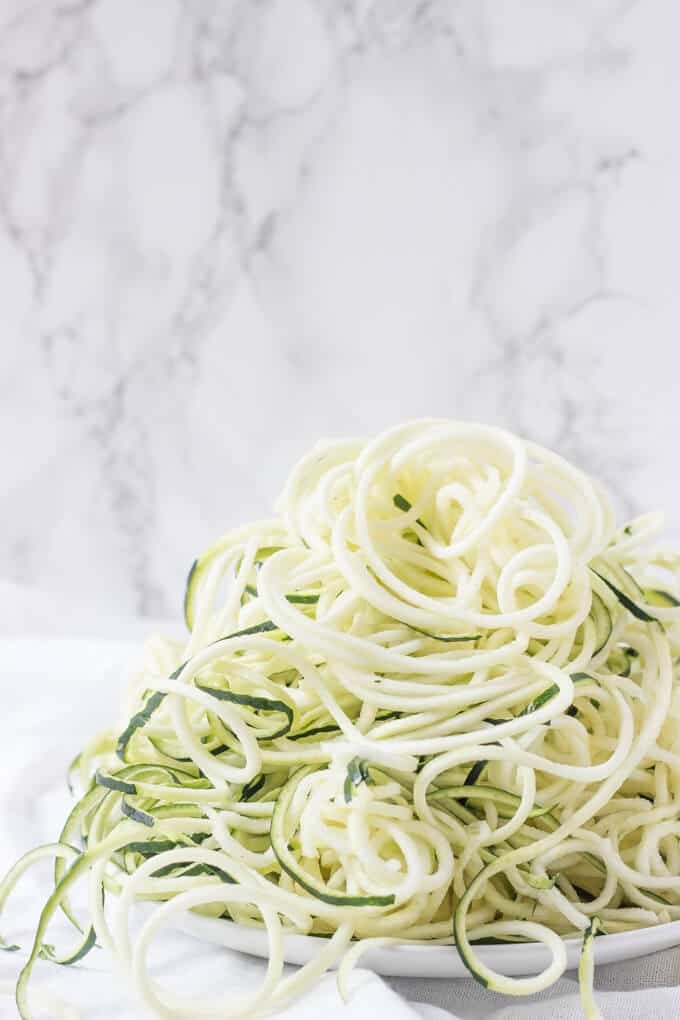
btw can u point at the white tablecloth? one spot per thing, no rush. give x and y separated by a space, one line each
57 692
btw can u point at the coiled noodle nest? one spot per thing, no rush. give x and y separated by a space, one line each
432 699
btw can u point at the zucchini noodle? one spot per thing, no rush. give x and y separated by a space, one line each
432 700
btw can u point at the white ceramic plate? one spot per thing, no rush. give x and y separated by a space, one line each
438 961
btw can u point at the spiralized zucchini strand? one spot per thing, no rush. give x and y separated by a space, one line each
433 699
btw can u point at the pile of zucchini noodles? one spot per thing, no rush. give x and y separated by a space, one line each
431 701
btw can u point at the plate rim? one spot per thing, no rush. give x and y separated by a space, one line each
441 961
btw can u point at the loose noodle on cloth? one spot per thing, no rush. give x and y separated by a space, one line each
398 718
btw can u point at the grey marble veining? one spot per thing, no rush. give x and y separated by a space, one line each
227 229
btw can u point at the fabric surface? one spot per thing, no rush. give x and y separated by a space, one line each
56 693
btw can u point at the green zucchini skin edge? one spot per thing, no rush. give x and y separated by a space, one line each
138 720
197 568
254 786
403 504
602 619
637 611
136 814
112 783
88 943
315 731
585 962
657 596
476 771
499 797
188 596
78 866
462 945
541 699
141 718
357 773
286 860
446 638
249 701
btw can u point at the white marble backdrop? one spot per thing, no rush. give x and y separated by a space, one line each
229 228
